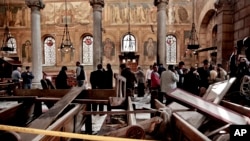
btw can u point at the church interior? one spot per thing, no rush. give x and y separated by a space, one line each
49 34
215 26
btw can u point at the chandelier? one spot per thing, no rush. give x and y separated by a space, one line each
193 39
66 44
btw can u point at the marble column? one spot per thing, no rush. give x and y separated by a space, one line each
225 31
36 6
161 30
97 32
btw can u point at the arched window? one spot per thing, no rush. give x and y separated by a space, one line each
128 43
11 42
49 51
171 47
87 50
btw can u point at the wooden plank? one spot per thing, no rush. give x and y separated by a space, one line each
62 123
217 91
41 92
185 131
17 98
207 107
119 112
48 117
86 94
214 93
120 85
97 94
82 101
18 114
8 114
131 116
236 107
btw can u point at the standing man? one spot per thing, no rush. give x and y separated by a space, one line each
148 78
204 73
27 78
181 74
97 80
140 76
78 72
169 81
16 76
130 79
109 77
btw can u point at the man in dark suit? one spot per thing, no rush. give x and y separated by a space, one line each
97 80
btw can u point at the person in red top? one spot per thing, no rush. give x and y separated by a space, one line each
155 79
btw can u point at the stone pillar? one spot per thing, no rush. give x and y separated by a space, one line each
97 32
225 27
161 30
35 6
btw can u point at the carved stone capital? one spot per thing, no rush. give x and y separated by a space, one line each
218 4
36 3
97 2
157 2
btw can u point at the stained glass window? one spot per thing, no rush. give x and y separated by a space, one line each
87 50
128 43
49 51
11 42
171 47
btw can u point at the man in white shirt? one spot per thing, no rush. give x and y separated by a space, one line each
169 79
148 77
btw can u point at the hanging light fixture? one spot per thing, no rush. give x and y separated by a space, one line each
66 44
193 38
8 39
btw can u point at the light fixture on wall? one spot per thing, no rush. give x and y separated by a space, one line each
66 44
193 38
8 44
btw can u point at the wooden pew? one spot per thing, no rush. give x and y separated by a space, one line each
214 94
18 114
208 108
50 116
71 122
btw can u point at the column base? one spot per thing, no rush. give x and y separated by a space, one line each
36 85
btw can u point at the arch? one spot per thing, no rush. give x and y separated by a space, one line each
171 49
11 42
49 51
87 49
128 43
206 23
209 6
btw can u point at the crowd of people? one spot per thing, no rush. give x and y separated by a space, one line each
194 80
156 78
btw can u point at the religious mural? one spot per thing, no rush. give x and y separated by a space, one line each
76 13
16 16
108 49
26 52
146 12
150 49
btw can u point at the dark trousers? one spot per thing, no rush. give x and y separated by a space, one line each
140 89
94 107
